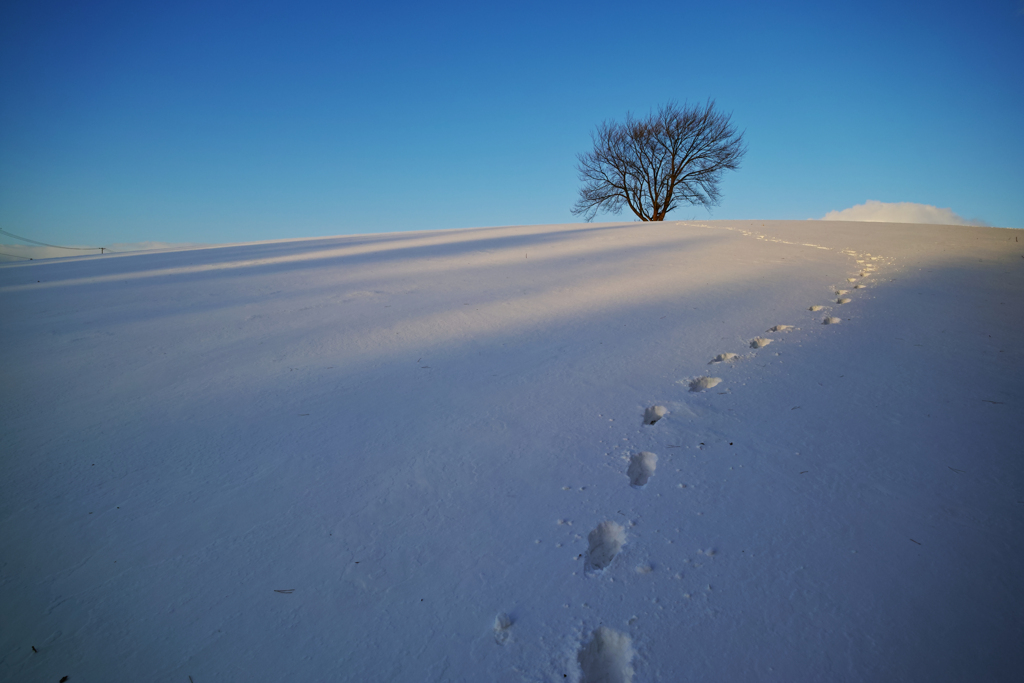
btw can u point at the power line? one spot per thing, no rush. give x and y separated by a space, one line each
44 244
28 258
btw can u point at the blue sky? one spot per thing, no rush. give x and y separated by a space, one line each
233 121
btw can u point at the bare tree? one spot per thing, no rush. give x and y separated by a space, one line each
656 164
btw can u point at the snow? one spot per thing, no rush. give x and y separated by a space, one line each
502 624
340 458
606 658
27 252
605 542
704 383
641 468
654 413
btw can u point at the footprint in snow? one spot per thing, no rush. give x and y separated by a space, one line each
607 657
758 342
831 321
724 357
815 308
840 292
702 383
654 413
641 468
781 328
843 301
851 279
502 624
605 543
860 286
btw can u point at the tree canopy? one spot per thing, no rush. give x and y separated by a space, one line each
653 165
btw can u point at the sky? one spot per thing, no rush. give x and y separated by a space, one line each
213 122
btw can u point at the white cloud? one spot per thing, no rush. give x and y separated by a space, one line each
899 212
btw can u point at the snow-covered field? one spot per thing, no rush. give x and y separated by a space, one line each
409 457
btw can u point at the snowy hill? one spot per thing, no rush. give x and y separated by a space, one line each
431 457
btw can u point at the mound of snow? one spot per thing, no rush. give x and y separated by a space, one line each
874 211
